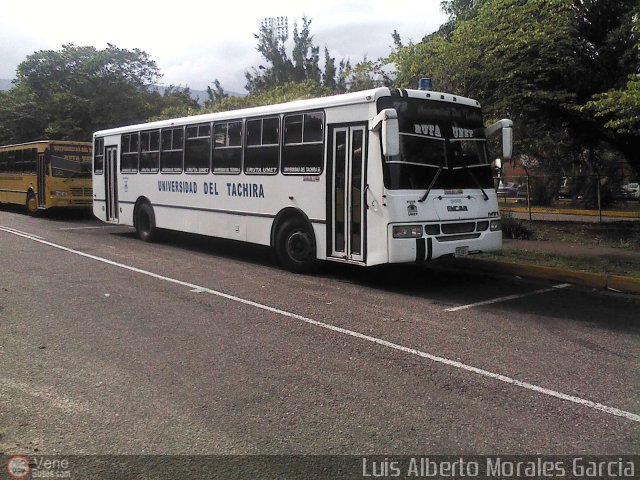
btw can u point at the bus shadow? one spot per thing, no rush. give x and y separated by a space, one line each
53 214
402 278
409 279
67 214
443 283
439 283
219 247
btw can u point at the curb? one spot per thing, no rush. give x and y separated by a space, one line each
587 279
560 211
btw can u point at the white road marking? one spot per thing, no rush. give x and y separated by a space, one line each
19 232
378 341
508 297
87 228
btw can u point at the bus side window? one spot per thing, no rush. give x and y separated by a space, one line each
262 150
172 150
197 149
129 156
302 152
19 163
33 155
11 161
98 163
149 151
227 148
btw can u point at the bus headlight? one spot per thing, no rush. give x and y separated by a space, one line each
59 193
495 225
407 231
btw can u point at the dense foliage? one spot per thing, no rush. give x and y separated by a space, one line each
70 93
566 71
548 65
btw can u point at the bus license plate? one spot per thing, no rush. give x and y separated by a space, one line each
461 252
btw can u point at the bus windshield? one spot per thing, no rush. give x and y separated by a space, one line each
70 161
442 146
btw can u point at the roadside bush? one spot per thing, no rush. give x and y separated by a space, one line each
544 190
584 191
515 229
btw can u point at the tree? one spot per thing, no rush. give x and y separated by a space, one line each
217 94
329 79
303 66
458 11
279 67
21 117
537 61
619 108
77 90
305 55
175 102
365 75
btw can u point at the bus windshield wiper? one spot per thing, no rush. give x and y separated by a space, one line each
475 180
72 175
433 182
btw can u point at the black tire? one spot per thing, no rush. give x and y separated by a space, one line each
146 223
295 247
32 204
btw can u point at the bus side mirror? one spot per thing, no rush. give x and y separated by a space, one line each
390 137
507 136
387 122
507 143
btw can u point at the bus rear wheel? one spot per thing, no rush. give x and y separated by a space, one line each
295 247
31 204
146 223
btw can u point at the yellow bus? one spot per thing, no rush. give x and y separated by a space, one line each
45 174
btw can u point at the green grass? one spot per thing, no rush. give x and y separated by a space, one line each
621 206
623 235
594 264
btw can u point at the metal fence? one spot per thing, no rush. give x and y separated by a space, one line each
596 193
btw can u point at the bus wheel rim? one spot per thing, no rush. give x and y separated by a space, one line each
299 246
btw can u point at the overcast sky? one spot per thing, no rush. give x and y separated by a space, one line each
194 42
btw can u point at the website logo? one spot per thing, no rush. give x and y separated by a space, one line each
18 467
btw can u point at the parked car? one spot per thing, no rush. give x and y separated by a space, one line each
631 191
508 190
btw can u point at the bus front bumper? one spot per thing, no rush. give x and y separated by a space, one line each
429 247
59 201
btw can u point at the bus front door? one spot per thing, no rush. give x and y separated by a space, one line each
41 173
347 187
111 182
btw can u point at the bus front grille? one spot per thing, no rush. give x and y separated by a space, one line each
455 238
454 228
80 191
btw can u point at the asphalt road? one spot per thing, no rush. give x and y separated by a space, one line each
192 345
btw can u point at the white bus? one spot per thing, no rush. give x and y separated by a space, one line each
372 177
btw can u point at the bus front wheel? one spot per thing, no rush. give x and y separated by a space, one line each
31 204
295 246
146 223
